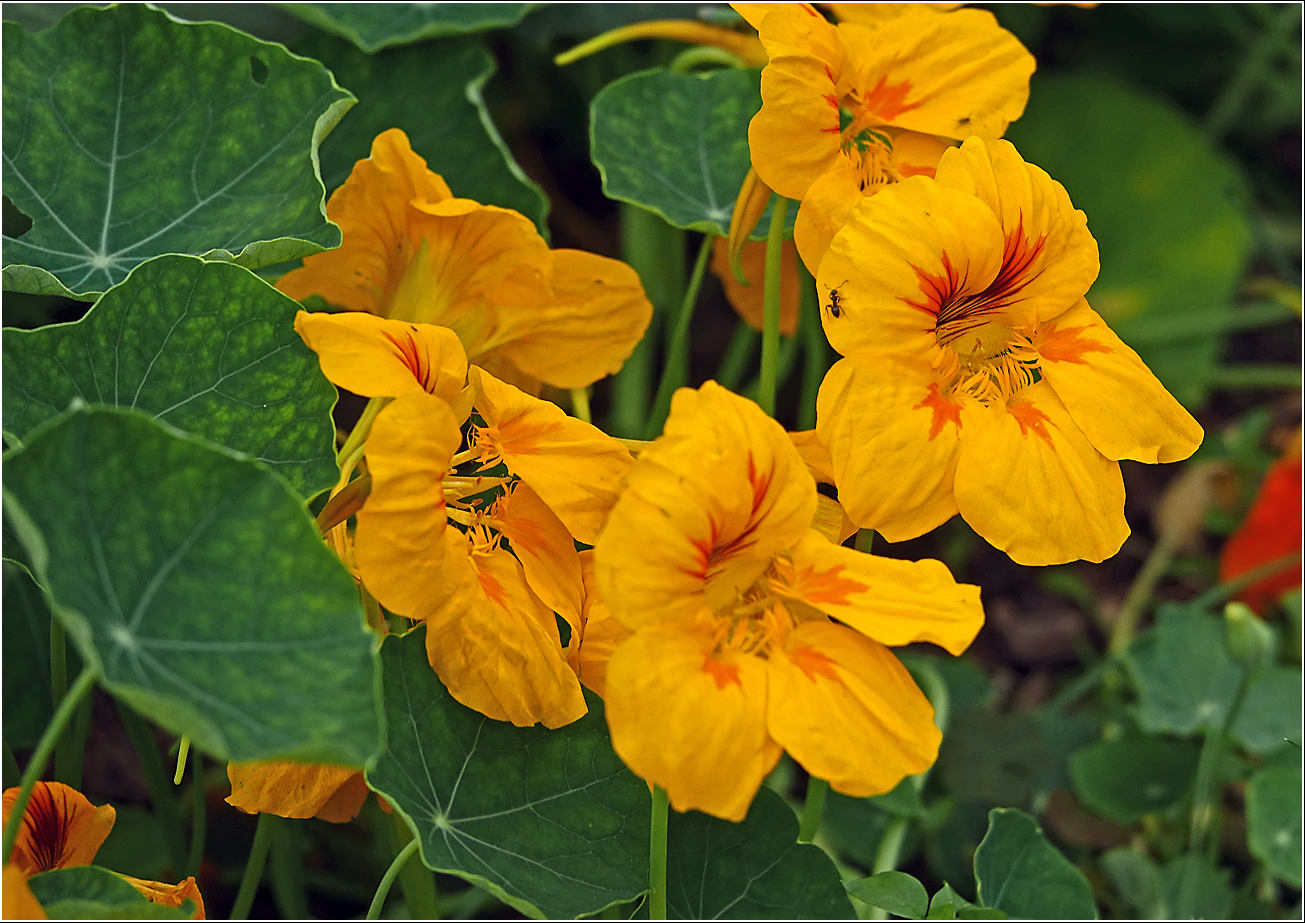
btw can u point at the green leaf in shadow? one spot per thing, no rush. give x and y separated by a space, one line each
1021 873
373 26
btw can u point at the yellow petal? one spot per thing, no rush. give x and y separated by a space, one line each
545 550
60 828
747 300
574 467
748 207
1029 481
377 357
1111 394
601 635
495 645
893 602
399 540
873 13
706 508
1048 245
894 440
166 895
691 722
289 789
19 901
847 710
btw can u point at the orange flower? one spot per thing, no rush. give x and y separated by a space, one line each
1271 530
62 829
709 559
747 300
288 789
977 379
413 252
851 108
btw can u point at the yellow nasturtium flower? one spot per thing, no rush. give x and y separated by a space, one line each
413 252
977 379
290 789
710 562
433 535
849 109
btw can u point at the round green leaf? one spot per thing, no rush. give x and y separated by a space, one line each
549 821
1131 777
447 123
896 892
207 347
1132 164
129 134
677 144
1021 873
1136 879
1271 714
197 586
1273 821
755 869
88 892
373 26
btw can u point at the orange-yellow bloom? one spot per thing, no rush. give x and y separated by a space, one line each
710 560
977 379
433 536
851 108
1270 531
413 252
289 789
62 829
747 300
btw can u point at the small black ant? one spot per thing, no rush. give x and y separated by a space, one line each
836 300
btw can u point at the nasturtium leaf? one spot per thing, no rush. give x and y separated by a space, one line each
1136 879
197 586
896 892
27 705
1021 873
755 869
88 892
1186 683
1195 889
548 820
373 26
1131 162
854 827
1273 821
208 347
677 144
1129 777
948 905
129 134
447 122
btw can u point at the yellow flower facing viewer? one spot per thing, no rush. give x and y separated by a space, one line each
849 109
977 378
412 251
728 596
433 535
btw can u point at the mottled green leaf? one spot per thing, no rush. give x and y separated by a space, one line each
1021 873
755 869
677 144
896 892
447 123
1132 163
549 821
1273 821
373 26
129 134
196 585
88 892
1129 777
207 347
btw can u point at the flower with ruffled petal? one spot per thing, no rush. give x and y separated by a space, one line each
977 379
849 109
710 560
413 252
478 542
1270 532
290 789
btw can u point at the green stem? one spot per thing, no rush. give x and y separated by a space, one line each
254 867
387 880
358 435
1079 687
699 55
41 755
580 404
770 315
288 869
183 751
1266 376
418 882
811 809
81 728
11 772
657 855
815 351
159 783
886 856
198 817
1139 594
675 374
1254 67
1217 594
58 689
865 540
738 356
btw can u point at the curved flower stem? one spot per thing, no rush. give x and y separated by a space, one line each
183 751
580 404
691 58
387 881
811 809
657 855
358 435
417 881
1217 594
254 867
770 325
157 781
676 373
738 356
1139 594
41 755
815 350
198 817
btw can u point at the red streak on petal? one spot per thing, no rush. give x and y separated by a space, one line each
827 587
888 101
813 663
1067 345
46 825
411 355
810 10
945 410
724 674
1030 418
493 589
